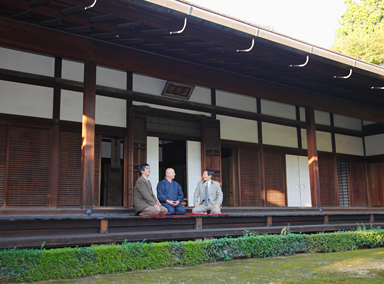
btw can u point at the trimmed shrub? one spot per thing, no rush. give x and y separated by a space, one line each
20 265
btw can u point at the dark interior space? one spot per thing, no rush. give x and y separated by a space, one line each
173 154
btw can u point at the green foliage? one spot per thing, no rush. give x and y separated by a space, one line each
361 31
64 263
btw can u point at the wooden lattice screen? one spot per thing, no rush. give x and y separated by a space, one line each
275 185
328 193
28 166
70 169
249 177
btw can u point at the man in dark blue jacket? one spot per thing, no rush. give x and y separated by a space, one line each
170 194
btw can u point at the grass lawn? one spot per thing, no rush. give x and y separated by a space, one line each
362 266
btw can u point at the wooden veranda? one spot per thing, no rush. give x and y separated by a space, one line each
73 227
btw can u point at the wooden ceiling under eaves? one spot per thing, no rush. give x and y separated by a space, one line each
145 26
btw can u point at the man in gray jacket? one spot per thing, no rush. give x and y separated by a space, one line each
208 195
146 203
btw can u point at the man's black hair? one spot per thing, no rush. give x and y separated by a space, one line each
209 172
142 168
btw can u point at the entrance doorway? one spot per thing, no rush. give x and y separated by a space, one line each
227 176
172 154
112 169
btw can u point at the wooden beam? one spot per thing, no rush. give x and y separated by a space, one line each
88 134
313 161
55 43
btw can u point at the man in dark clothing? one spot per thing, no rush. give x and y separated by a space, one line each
170 194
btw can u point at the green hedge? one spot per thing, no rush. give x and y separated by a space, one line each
20 265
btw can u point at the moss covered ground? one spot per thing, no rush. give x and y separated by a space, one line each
361 266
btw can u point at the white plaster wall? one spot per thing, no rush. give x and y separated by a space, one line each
111 78
279 135
28 100
349 145
72 70
322 118
304 139
193 168
110 111
368 122
324 141
302 114
148 85
26 62
238 129
153 161
278 109
201 95
374 145
171 108
235 101
347 122
71 106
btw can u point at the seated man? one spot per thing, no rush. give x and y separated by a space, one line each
170 194
145 202
210 195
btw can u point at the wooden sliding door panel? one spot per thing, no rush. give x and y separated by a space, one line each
328 192
96 192
70 169
249 177
376 183
28 166
357 183
274 164
3 160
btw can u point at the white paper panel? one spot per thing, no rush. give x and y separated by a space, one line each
110 111
278 109
374 145
71 106
367 122
236 101
349 145
322 118
148 85
193 168
72 70
111 78
347 122
238 129
153 161
28 100
279 135
27 62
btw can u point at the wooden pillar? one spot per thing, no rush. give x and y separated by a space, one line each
88 135
313 162
54 167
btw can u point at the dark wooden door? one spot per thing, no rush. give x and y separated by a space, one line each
328 187
137 147
275 181
249 177
357 183
211 147
376 183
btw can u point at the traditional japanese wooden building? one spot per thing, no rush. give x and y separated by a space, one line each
89 90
